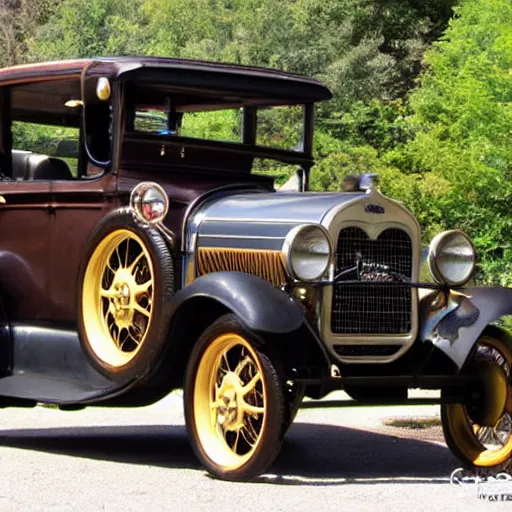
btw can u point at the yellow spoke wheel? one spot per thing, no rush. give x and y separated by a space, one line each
118 296
233 402
125 288
488 442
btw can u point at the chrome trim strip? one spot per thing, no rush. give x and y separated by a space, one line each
243 237
227 228
240 243
259 221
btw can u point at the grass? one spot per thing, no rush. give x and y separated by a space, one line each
413 423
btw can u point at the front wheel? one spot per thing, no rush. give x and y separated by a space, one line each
234 404
480 433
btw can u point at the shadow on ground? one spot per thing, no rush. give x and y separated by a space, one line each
312 454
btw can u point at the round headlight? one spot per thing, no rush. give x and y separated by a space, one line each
451 258
149 202
308 252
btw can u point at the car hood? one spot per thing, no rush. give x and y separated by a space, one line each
258 220
277 207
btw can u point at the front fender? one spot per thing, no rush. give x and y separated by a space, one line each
260 305
456 328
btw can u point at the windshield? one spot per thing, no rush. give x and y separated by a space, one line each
279 127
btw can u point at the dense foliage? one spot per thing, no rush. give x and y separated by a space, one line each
422 89
459 158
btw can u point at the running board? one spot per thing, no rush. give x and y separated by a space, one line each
48 365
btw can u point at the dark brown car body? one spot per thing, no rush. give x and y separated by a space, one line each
47 222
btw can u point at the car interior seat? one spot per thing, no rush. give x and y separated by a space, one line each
49 168
33 166
20 164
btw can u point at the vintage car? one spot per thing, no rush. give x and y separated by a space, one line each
145 247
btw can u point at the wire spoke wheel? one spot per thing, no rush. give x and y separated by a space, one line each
486 442
229 400
118 297
234 402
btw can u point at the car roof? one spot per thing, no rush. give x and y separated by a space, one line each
200 74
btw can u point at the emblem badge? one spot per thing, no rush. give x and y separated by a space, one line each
374 208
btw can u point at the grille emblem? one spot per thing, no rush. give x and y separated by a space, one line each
374 208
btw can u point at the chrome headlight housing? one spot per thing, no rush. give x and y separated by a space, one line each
308 252
451 258
149 202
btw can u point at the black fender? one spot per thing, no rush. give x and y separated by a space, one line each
259 304
273 315
456 328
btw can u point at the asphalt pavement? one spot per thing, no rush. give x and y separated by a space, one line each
140 460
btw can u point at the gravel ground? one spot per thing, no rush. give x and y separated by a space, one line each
140 459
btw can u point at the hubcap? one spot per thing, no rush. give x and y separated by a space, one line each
118 297
229 401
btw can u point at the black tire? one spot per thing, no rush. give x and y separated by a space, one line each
210 453
121 221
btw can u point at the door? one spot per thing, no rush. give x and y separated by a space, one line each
24 249
77 207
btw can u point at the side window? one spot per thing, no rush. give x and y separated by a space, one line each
44 130
44 152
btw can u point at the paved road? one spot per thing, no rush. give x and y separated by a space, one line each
140 460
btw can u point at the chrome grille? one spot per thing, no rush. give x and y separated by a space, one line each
379 307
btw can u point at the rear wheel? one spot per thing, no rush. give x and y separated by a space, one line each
126 282
480 433
234 404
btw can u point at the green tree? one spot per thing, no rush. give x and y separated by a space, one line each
93 28
18 20
462 119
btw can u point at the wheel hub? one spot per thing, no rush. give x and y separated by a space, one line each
228 398
123 285
125 293
492 401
